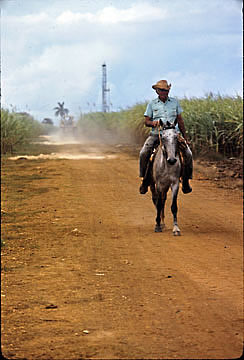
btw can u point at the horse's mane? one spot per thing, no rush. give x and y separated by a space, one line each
167 126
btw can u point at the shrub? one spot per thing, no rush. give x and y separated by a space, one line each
17 129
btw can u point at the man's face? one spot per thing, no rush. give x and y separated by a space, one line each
163 94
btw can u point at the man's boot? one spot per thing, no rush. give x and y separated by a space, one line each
144 187
147 179
187 174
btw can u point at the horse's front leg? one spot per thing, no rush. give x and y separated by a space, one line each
174 208
154 193
164 197
159 207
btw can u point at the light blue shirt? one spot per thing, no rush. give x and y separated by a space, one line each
167 111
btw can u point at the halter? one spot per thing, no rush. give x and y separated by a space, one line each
162 127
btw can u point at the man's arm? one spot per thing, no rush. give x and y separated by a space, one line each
182 126
150 123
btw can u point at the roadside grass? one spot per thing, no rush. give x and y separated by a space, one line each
18 131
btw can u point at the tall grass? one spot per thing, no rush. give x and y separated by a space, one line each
213 123
17 129
126 124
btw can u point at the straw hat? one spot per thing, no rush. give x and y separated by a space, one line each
162 84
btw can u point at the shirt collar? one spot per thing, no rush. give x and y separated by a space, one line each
165 101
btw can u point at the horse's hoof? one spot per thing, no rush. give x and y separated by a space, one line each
158 228
176 233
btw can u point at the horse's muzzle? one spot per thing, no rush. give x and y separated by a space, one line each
171 161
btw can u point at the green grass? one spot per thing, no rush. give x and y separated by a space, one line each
214 124
18 130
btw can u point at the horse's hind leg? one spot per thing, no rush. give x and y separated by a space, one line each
174 209
159 207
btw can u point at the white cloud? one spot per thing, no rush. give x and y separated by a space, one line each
190 84
69 17
34 19
111 15
53 51
137 13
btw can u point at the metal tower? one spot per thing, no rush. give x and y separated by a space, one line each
105 105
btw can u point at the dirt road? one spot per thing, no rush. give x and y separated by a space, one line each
85 276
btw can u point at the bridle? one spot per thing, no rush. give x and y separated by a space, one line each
161 127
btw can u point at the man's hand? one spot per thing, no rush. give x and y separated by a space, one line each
151 123
156 123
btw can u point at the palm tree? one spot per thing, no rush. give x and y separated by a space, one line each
61 111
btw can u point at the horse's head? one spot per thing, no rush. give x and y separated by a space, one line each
169 141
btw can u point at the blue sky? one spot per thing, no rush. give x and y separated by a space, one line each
54 50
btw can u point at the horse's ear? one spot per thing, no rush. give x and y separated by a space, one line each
160 122
168 124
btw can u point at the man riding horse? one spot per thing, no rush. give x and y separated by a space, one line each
167 109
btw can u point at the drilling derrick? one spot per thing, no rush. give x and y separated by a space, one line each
105 90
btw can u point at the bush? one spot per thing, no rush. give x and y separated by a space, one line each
17 129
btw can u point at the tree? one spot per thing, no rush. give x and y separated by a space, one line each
61 111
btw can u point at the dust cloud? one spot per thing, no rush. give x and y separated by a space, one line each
80 143
94 134
60 138
56 139
96 129
64 156
69 146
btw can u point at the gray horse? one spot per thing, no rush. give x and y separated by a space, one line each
166 173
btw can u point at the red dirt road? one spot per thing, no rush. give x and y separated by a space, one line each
85 276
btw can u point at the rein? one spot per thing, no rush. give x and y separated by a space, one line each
160 127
